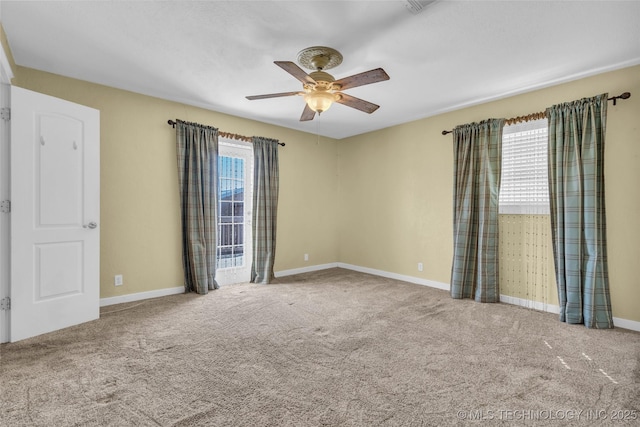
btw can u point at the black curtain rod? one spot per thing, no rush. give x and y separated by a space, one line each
534 116
227 134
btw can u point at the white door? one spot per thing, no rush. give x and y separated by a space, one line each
55 213
235 199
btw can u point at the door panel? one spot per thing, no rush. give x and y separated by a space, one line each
58 270
59 171
55 190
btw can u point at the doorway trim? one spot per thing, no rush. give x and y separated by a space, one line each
6 75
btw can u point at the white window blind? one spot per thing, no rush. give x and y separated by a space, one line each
524 185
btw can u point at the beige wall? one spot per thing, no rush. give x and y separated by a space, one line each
140 223
395 187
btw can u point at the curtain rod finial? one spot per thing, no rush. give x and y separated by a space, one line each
625 95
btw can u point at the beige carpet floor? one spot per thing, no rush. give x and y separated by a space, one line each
330 348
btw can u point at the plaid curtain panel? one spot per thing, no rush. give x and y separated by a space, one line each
477 161
578 221
197 150
265 208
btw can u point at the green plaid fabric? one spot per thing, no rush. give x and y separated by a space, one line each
578 221
265 208
197 150
476 183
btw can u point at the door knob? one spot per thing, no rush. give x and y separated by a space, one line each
91 225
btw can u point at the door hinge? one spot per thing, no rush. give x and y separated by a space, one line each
5 114
5 303
5 206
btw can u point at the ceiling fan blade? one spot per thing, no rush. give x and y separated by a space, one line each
357 103
368 77
273 95
307 114
295 71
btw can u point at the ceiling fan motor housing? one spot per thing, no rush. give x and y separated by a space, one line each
321 76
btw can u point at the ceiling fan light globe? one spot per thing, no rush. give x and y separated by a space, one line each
319 101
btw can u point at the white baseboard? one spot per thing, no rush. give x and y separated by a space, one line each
550 308
626 324
141 296
402 277
309 269
540 306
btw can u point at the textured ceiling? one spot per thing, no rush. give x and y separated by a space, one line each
213 53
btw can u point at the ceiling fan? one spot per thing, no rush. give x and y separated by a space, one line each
320 89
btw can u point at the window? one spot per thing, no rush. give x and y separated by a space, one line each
526 254
524 185
231 212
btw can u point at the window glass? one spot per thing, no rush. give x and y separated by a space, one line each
524 187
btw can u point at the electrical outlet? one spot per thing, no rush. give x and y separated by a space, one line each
306 257
420 266
118 280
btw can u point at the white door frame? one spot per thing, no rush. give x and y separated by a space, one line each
6 75
244 150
